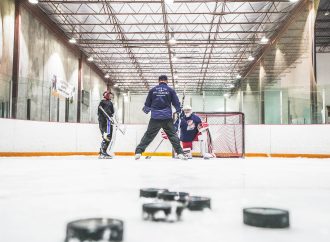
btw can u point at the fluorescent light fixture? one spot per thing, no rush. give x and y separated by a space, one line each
250 58
115 85
34 1
293 1
90 59
238 76
264 40
226 95
107 76
169 1
326 13
72 40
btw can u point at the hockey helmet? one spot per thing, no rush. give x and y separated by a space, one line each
107 95
187 107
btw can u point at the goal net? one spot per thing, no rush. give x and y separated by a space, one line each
225 137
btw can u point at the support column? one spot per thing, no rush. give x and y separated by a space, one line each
80 74
16 52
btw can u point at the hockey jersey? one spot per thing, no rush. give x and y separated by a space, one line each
108 108
189 127
159 100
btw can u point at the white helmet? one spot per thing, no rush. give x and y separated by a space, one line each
187 109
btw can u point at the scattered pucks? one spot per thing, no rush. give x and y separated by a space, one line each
198 203
266 217
161 211
95 229
151 192
173 196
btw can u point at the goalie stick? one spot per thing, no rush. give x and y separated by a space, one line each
114 121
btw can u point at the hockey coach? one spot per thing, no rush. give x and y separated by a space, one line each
159 101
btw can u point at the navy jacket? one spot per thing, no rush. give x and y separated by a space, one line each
159 100
189 127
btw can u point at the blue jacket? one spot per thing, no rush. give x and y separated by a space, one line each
159 100
189 127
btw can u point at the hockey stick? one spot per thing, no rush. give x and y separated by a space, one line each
179 115
114 121
149 157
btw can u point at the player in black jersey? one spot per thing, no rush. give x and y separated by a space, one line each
105 124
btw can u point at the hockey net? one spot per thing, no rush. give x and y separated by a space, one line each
225 136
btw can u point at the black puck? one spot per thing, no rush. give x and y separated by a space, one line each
198 203
151 192
266 217
167 196
173 196
151 209
95 229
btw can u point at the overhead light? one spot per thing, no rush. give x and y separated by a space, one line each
172 40
115 85
107 76
326 13
238 76
34 1
250 58
72 40
90 59
169 1
264 40
293 1
226 95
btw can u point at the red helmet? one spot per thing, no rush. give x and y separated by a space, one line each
107 95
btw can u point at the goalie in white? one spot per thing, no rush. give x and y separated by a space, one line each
193 129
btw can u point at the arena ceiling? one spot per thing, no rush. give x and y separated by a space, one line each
201 42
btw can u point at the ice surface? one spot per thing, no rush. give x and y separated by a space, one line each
38 196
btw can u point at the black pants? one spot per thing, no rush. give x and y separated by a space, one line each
105 127
153 128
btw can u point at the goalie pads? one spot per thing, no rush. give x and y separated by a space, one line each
203 126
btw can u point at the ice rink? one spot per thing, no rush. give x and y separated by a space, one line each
39 195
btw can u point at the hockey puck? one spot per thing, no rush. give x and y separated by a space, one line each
183 197
152 210
173 196
151 192
95 229
266 217
198 203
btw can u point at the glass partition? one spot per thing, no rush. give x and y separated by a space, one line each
39 100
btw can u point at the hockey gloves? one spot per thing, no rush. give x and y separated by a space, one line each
106 136
146 109
203 126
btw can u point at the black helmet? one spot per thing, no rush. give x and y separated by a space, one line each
163 78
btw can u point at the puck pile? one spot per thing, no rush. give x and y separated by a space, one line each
167 206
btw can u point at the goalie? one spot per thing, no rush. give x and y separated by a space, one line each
193 129
105 110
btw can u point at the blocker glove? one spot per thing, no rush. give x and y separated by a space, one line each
203 126
146 109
